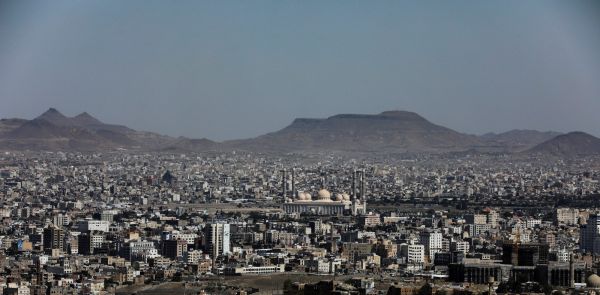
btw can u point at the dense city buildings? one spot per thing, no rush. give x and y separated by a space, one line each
116 222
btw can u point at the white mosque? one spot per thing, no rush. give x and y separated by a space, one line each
325 204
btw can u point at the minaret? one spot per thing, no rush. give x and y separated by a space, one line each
571 272
333 243
284 184
363 196
354 193
293 183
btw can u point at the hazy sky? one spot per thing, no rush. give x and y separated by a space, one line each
236 69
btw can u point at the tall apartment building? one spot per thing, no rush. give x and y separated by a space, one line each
90 241
432 242
216 239
54 238
589 235
174 249
414 253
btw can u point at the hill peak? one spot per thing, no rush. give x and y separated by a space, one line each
86 119
578 134
52 112
570 144
55 117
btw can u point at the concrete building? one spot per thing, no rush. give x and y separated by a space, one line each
589 235
216 239
414 253
54 238
432 242
94 225
174 249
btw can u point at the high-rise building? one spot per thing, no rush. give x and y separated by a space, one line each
54 238
432 242
414 253
589 235
359 198
174 249
90 241
216 239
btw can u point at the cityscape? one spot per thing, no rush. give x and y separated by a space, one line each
299 148
244 222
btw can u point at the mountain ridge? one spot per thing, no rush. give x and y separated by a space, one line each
389 131
396 131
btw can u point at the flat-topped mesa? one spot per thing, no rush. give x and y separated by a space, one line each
402 115
387 131
395 115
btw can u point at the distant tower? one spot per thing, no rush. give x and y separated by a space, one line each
363 196
333 242
216 239
284 184
293 183
354 197
571 271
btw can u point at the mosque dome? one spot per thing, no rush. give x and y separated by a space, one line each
339 197
346 197
301 196
593 281
308 196
324 195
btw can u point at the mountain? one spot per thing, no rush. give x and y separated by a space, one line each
392 131
40 134
55 131
387 132
569 145
85 119
518 139
53 116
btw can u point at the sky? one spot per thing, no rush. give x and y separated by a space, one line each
238 69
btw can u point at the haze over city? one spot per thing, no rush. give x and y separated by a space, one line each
236 69
299 147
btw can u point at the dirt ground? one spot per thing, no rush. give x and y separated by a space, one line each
267 284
